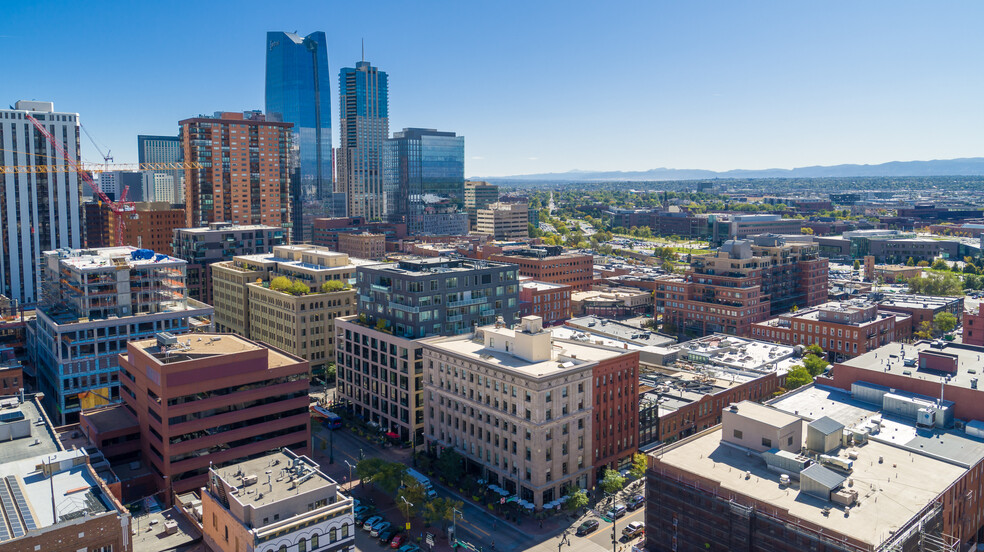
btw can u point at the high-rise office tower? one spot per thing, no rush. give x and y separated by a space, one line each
363 99
39 211
298 88
160 149
426 168
245 177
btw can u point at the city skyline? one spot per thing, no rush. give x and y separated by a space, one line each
719 86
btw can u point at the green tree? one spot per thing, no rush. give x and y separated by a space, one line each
368 468
414 493
440 510
910 262
639 465
390 477
814 349
857 265
969 268
449 465
922 264
332 286
298 287
940 264
612 481
814 364
798 376
972 281
280 283
944 322
330 372
807 231
936 284
925 330
576 499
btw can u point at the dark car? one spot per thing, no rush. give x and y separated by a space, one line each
386 535
636 502
587 527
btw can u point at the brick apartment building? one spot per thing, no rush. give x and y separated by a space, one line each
149 226
326 231
362 245
551 264
844 329
11 378
209 400
247 174
744 282
551 302
922 308
973 327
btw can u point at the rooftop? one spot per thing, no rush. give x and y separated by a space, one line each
891 358
229 228
25 447
541 286
199 346
112 257
150 534
111 418
891 491
736 353
279 475
905 300
621 331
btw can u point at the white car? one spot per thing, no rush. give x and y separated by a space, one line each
379 528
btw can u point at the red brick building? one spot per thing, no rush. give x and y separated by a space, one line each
922 308
973 327
212 400
551 264
843 329
551 302
745 282
150 226
11 378
616 411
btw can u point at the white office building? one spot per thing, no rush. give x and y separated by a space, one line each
39 211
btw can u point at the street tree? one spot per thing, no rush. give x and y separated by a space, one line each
814 349
440 510
612 481
390 476
798 376
925 330
938 284
449 465
576 499
638 468
814 365
945 322
368 468
414 493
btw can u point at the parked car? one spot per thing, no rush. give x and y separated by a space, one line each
636 502
364 516
398 541
379 528
387 534
633 529
587 527
367 526
617 511
409 548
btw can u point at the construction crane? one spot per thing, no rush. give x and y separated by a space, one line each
98 168
107 157
120 208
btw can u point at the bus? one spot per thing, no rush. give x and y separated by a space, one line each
328 418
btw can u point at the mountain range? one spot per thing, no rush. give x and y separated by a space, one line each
970 166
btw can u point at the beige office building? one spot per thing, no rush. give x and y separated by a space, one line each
505 221
297 321
363 245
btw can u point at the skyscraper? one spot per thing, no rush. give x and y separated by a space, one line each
364 121
39 211
246 174
298 90
160 149
426 168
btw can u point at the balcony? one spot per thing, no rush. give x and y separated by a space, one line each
454 318
466 302
381 289
365 298
405 308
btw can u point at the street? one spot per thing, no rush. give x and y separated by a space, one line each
476 525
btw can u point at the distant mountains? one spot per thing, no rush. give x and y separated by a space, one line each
971 166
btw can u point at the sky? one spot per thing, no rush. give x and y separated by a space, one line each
540 86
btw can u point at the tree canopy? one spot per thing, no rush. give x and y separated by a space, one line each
798 376
936 284
612 481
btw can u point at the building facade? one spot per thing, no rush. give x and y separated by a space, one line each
302 509
742 283
551 264
504 221
528 412
41 210
973 327
207 401
551 302
219 241
148 226
363 120
426 168
922 308
300 321
478 195
95 301
327 230
362 245
843 329
162 149
298 91
247 164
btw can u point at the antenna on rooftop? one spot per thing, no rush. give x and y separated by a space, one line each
363 49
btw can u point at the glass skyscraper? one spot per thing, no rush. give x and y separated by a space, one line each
425 179
364 121
298 86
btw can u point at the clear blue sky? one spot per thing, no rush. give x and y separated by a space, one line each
538 86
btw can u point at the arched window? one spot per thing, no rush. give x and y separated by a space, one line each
332 535
314 541
302 545
283 548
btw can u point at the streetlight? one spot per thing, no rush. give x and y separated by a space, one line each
454 524
351 481
614 522
408 505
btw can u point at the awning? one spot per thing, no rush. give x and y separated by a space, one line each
392 435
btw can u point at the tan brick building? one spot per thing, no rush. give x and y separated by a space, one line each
504 221
299 323
363 245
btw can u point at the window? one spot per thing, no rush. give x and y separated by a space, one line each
302 545
766 442
314 541
738 434
789 441
333 534
345 531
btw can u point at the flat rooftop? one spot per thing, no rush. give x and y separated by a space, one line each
621 331
891 358
907 301
890 492
150 535
91 259
274 467
113 418
540 286
234 228
738 353
19 449
198 346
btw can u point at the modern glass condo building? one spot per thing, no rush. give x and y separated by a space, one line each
425 178
364 122
298 88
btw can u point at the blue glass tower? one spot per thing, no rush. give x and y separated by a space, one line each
364 122
298 88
